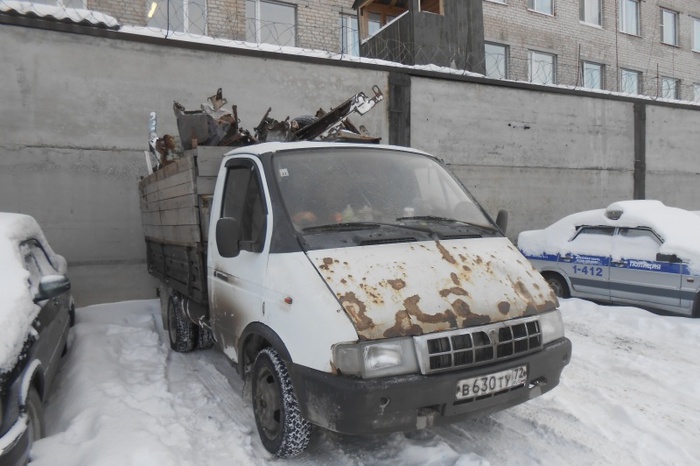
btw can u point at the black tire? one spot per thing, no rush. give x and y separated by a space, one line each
182 332
283 431
35 411
205 339
558 285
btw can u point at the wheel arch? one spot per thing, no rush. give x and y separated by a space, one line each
254 338
557 273
33 378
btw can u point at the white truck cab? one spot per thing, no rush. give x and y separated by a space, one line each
362 289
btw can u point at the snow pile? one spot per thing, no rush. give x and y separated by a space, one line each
629 396
679 229
17 309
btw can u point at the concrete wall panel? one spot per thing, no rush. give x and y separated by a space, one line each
535 198
500 126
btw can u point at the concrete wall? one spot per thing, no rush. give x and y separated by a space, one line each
74 120
536 154
74 125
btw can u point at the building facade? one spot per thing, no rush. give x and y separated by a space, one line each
629 46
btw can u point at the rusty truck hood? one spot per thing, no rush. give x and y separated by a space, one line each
417 288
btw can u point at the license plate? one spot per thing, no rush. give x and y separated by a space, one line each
491 383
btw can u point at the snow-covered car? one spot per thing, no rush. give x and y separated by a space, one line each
36 312
640 253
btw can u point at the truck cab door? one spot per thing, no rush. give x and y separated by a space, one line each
238 254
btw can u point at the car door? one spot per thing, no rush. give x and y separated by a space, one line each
636 276
586 262
238 282
53 317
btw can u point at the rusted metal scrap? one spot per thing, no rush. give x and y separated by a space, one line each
213 125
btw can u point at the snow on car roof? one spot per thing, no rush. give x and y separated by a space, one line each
17 309
679 229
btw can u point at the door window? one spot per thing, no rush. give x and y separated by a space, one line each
637 243
37 263
244 201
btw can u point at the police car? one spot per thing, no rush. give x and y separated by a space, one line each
640 253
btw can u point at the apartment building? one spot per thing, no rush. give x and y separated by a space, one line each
648 47
631 46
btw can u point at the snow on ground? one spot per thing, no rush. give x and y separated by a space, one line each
629 396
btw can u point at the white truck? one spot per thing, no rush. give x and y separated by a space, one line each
358 288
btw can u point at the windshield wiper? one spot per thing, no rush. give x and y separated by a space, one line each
435 218
342 226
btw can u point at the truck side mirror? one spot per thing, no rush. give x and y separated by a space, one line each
502 220
228 237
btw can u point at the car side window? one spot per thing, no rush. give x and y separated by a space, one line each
592 240
637 243
244 200
36 262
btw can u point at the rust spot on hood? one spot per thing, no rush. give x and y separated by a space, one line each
327 262
468 317
532 307
445 253
455 278
454 290
504 307
357 310
397 284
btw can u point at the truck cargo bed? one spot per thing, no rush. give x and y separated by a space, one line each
175 204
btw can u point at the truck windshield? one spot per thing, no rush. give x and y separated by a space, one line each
345 186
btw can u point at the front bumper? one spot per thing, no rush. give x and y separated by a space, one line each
411 402
14 445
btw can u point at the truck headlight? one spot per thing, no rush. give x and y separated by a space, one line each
552 326
376 359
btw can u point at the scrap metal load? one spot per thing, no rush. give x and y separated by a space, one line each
213 125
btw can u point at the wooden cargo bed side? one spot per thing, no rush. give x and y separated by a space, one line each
175 204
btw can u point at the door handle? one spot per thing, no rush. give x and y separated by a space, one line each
221 275
566 258
617 264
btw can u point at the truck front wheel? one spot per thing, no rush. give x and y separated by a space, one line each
182 332
283 431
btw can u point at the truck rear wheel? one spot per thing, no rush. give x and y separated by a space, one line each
283 431
182 332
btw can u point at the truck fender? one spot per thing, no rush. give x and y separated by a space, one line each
255 337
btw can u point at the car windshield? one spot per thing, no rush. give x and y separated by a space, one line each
324 189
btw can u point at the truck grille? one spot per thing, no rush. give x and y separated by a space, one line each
460 349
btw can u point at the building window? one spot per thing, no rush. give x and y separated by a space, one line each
629 16
696 92
592 74
496 58
630 82
431 6
696 35
541 67
271 22
541 6
188 16
590 12
374 16
349 35
670 88
669 27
